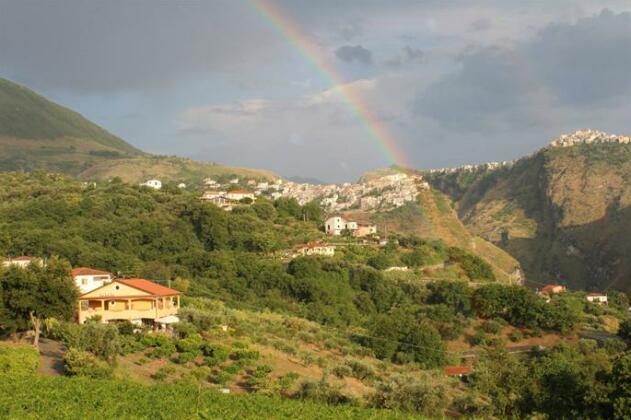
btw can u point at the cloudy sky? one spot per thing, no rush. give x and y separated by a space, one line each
299 86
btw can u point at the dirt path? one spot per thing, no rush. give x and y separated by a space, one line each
52 354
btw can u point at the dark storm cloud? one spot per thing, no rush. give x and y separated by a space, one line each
109 45
354 53
565 65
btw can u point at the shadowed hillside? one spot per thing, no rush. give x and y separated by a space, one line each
562 212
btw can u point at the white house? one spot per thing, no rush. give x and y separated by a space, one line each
22 261
597 298
181 185
336 225
234 181
88 279
153 183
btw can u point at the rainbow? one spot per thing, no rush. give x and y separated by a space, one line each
311 53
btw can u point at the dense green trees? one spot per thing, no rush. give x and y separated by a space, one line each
40 291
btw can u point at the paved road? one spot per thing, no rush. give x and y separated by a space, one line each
52 355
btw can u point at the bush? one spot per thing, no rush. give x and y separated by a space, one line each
83 363
18 360
491 327
515 336
215 353
130 344
102 340
243 354
162 373
342 371
322 392
360 370
411 394
162 345
192 344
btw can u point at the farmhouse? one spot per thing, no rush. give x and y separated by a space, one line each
551 289
239 195
597 298
337 224
137 300
364 229
88 279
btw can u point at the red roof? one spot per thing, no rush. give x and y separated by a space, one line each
551 288
85 271
22 258
149 287
458 370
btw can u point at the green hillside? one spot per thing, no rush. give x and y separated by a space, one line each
562 212
37 134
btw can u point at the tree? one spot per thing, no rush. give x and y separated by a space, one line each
621 379
624 329
32 294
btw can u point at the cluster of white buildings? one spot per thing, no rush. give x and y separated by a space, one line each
473 168
588 137
382 193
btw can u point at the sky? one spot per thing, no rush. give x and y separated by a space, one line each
329 89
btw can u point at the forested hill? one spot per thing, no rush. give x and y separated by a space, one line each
37 134
562 212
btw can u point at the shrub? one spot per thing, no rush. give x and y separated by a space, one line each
18 360
185 329
515 336
125 327
162 373
245 355
83 363
411 394
192 344
215 353
130 344
491 327
321 391
360 370
342 371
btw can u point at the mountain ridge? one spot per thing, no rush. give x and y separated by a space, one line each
561 211
39 134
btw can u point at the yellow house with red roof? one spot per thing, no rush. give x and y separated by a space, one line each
136 300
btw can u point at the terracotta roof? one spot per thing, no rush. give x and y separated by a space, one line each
85 271
239 192
149 287
551 287
21 258
596 294
458 370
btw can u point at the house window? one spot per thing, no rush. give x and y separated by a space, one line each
84 281
85 305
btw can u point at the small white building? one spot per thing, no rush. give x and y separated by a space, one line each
315 248
88 279
337 224
22 261
156 184
597 298
234 181
181 185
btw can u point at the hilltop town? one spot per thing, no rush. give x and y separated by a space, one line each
588 136
379 194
